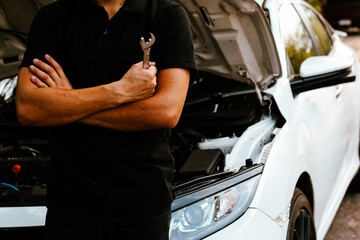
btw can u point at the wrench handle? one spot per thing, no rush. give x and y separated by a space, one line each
146 58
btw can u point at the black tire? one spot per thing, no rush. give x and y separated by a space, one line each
301 222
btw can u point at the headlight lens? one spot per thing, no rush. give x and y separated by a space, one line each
202 218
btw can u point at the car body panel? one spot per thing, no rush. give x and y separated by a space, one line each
247 227
308 116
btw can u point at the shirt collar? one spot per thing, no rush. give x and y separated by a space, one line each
134 6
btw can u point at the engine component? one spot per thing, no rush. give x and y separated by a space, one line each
203 162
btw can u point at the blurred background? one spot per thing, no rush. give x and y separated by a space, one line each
341 14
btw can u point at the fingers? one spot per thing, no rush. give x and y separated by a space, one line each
150 63
153 70
154 82
46 68
141 64
55 65
43 76
51 75
38 82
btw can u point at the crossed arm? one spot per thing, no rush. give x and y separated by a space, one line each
45 98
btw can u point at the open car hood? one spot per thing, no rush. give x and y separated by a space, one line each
232 39
15 20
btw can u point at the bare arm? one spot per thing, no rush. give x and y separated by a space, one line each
54 106
51 106
163 110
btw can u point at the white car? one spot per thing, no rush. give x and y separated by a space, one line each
268 140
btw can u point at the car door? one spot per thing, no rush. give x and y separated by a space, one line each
327 111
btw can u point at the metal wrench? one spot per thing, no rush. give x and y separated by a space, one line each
146 46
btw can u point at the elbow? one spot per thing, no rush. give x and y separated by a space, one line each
171 123
24 116
23 120
171 118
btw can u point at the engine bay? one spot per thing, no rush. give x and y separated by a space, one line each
216 114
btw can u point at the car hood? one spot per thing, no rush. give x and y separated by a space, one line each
15 20
232 38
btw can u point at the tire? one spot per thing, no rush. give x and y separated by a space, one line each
355 183
301 222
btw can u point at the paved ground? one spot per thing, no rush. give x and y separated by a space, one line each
346 225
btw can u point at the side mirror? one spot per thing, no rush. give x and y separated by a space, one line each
319 65
323 71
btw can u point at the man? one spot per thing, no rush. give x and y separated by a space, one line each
82 76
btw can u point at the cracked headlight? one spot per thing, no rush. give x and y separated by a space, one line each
207 216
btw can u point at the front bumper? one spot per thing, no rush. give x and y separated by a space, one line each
253 225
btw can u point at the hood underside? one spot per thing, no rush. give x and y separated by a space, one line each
232 39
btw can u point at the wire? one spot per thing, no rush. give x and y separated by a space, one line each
9 185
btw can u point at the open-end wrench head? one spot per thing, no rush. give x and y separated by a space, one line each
148 44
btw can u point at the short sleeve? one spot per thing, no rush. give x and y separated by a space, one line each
42 37
174 44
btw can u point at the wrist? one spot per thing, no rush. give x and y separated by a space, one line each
115 92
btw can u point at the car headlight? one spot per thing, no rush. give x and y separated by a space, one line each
205 217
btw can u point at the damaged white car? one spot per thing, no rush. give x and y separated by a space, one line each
268 140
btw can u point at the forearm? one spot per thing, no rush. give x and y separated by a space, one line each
143 115
163 110
53 106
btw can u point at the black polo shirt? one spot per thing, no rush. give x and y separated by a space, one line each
97 168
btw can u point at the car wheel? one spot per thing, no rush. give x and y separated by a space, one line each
301 223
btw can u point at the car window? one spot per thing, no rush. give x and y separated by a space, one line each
320 36
298 44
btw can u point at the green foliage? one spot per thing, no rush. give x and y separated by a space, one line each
298 55
299 47
317 4
321 38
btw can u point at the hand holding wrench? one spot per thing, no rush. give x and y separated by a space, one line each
146 46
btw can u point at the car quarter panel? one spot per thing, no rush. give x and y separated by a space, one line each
290 156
